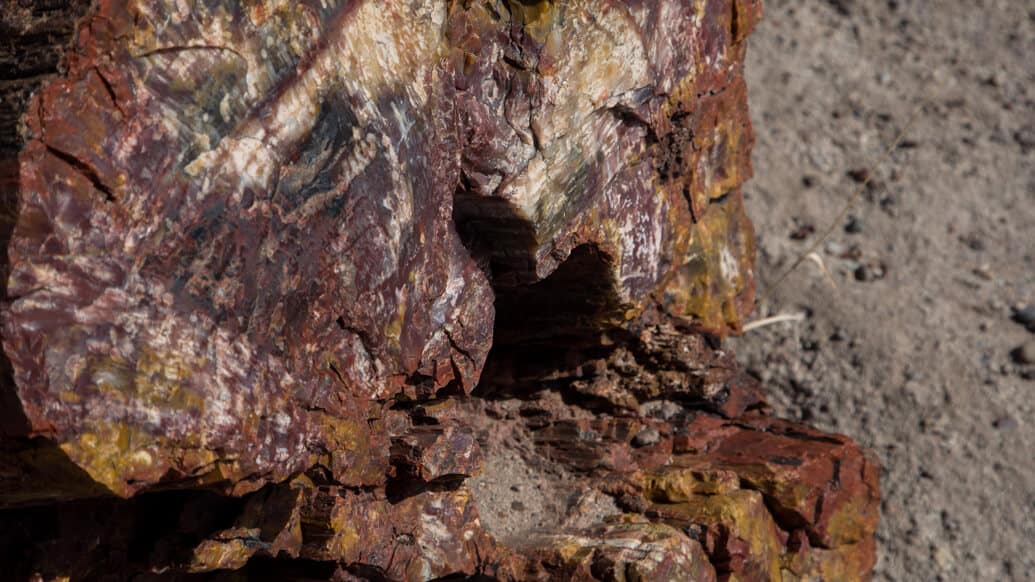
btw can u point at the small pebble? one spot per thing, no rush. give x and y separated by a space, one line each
695 531
1025 316
803 231
1024 354
647 436
1025 136
664 409
859 175
984 271
863 273
834 248
973 242
1005 423
854 226
808 181
888 203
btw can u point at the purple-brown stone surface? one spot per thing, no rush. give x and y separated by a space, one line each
235 239
261 253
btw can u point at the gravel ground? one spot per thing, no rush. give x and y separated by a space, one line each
909 342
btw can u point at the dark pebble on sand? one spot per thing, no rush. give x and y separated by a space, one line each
863 273
1024 354
1025 316
1025 137
1005 423
859 175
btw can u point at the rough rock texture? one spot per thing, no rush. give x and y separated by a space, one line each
261 253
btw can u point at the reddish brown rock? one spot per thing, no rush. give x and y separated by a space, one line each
236 223
260 252
425 536
231 286
627 549
784 478
766 499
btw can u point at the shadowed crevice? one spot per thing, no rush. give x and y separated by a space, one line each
114 538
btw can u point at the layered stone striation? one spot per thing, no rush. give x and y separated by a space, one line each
236 233
262 250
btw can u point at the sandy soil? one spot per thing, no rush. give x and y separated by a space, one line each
908 346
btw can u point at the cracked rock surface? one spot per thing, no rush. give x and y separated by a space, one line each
286 278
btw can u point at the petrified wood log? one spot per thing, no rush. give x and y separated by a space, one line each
261 251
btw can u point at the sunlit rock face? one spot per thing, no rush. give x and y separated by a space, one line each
263 249
235 242
236 237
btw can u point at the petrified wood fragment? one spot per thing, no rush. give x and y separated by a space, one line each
262 250
234 241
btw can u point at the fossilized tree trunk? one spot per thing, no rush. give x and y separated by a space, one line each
262 250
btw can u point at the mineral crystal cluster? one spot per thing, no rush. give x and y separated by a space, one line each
283 278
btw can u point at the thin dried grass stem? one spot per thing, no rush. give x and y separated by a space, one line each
779 318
